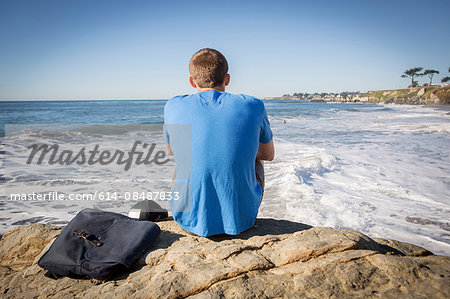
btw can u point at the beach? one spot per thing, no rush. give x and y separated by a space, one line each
375 168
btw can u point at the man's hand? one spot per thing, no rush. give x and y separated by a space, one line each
266 151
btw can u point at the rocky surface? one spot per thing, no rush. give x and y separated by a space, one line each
276 258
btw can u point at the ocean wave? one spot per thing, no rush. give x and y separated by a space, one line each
413 127
75 130
292 181
117 129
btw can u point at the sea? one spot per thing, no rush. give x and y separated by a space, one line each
381 169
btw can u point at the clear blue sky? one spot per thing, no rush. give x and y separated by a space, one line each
140 49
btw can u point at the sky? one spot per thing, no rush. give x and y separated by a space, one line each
67 49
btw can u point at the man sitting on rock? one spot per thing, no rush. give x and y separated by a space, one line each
218 140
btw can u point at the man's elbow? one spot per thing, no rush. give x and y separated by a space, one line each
269 156
266 151
266 156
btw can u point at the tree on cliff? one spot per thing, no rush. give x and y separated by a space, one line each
430 74
412 73
446 79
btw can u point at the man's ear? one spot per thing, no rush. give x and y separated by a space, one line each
227 79
192 82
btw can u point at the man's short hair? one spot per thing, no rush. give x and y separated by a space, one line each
208 68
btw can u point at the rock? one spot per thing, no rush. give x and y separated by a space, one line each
276 258
20 246
421 92
389 101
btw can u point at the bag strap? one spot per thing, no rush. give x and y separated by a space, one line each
91 238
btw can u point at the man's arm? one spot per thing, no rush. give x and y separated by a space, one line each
169 150
266 151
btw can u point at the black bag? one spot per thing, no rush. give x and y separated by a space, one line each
99 245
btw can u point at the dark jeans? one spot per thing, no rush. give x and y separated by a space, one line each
259 170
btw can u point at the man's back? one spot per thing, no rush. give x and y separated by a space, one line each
226 131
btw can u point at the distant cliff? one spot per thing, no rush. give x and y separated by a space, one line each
423 95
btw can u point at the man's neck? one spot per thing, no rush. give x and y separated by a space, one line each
219 88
